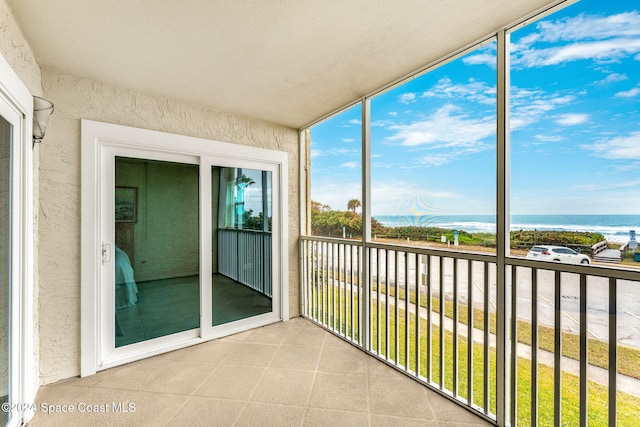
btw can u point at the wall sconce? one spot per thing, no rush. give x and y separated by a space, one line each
42 110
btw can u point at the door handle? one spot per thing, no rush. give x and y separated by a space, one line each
106 253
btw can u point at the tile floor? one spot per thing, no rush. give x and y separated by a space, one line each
286 374
169 306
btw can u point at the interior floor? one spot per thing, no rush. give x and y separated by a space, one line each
169 306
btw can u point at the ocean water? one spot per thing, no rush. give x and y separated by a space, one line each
615 228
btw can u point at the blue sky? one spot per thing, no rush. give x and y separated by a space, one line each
574 118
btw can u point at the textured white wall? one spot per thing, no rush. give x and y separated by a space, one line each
59 246
17 52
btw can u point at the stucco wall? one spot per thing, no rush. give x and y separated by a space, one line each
59 250
17 51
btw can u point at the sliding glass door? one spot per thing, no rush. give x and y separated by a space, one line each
156 250
5 265
241 284
190 243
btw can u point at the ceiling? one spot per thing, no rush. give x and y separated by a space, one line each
283 61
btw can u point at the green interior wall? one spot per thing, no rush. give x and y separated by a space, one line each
166 234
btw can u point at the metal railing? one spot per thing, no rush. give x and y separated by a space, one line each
245 256
432 314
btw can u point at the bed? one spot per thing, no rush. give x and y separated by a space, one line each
126 288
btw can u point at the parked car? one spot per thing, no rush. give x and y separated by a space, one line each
557 254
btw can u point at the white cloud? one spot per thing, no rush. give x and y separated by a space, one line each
632 93
335 152
473 90
407 98
548 138
436 159
481 59
530 106
352 122
609 185
348 140
599 38
572 119
446 127
612 78
392 113
350 165
617 148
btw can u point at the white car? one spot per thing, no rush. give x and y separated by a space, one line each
557 254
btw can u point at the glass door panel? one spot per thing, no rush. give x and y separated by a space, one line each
5 263
241 236
157 249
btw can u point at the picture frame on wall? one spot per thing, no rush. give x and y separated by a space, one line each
126 204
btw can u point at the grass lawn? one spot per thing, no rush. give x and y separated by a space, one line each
431 368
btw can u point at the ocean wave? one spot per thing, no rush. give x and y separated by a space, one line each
613 228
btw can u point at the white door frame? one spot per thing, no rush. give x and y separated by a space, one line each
101 143
17 100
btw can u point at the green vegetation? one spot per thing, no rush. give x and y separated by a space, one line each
333 223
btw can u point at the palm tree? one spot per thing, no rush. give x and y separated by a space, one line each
353 204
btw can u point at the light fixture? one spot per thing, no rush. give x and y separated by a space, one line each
42 110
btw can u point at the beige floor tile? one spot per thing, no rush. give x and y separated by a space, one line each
284 386
237 337
212 352
267 415
296 357
304 336
266 335
151 409
182 377
251 354
296 322
292 373
446 410
378 420
330 340
378 368
392 421
93 407
231 382
59 394
399 396
347 359
134 376
176 355
340 391
202 411
317 417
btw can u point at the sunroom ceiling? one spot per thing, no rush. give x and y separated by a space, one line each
283 61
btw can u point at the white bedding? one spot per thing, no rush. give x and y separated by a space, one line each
126 288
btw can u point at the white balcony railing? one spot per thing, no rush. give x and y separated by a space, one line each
434 315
